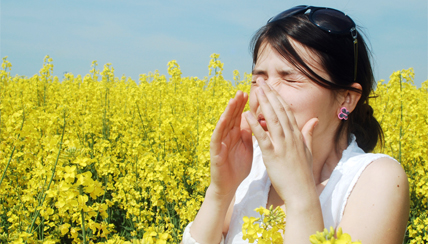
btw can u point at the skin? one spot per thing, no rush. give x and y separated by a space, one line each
294 121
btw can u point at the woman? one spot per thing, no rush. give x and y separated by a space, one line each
313 132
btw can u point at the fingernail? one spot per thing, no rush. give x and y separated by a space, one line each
248 115
261 81
316 123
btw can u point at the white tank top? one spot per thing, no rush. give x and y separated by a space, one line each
253 191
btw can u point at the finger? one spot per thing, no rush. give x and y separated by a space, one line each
244 123
292 123
276 118
222 127
230 118
241 110
260 134
236 117
243 98
307 132
246 133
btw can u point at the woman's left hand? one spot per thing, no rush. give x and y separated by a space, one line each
286 150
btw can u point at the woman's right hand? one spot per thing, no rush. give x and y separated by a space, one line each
231 151
231 148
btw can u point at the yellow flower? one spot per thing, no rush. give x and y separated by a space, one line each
262 211
268 229
134 153
70 173
328 237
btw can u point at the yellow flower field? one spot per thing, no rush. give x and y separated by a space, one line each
103 159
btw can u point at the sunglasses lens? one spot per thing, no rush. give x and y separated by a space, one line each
327 19
288 12
332 21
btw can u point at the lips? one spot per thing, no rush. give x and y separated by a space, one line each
262 121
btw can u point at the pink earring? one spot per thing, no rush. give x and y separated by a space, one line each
343 115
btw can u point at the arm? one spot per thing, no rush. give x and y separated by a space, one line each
378 207
209 223
231 156
228 217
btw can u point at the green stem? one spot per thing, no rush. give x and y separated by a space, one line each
13 150
144 128
82 214
53 174
104 196
7 166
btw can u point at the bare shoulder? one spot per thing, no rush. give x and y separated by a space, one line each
384 173
378 207
384 181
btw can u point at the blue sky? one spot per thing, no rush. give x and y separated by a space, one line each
142 36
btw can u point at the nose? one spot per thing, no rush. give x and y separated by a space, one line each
260 80
271 82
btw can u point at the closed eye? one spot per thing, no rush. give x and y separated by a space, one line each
291 81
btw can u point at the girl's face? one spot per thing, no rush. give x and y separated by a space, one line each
306 99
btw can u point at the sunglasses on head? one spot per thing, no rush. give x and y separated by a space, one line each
327 19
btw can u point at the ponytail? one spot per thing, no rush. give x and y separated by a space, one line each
365 127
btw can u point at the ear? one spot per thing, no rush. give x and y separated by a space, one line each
350 98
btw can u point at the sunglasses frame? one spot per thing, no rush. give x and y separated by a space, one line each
312 9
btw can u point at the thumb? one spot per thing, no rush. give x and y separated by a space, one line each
307 132
246 133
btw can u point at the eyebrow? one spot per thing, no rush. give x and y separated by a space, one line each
280 72
258 72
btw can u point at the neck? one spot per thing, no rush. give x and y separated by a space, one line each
326 156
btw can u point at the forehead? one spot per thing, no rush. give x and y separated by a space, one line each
306 54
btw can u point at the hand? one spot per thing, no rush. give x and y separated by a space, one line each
286 150
231 148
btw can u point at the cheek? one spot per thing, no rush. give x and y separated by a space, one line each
323 110
301 119
304 111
